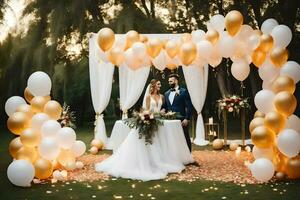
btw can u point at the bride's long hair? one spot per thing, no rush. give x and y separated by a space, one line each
152 84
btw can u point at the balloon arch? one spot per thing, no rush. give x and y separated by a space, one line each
274 129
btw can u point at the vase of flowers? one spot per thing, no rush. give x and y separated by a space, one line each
232 104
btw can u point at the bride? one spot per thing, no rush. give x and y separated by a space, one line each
136 160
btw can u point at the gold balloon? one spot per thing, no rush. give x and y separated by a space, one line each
14 146
106 38
143 39
275 121
293 167
27 94
30 138
56 165
233 22
18 122
154 47
171 48
53 109
116 56
266 43
280 176
93 150
284 83
186 37
97 143
171 66
188 53
233 146
25 108
256 122
65 156
258 57
27 153
263 137
279 56
259 114
212 36
38 103
43 168
279 160
217 144
131 37
285 103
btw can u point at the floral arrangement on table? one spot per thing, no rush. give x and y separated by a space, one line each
67 118
232 104
147 123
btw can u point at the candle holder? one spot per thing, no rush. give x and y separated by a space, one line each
212 131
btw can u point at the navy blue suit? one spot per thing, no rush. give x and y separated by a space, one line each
181 104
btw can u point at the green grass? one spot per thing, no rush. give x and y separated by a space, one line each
123 188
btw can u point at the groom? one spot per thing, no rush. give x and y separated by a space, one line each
177 99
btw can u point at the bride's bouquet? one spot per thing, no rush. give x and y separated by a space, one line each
147 123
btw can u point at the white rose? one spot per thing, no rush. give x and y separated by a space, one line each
230 109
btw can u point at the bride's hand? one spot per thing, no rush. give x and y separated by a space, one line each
162 111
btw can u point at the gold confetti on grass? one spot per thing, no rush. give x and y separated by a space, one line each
213 165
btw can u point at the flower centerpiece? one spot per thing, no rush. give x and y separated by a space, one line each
232 104
147 123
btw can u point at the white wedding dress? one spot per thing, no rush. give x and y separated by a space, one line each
136 160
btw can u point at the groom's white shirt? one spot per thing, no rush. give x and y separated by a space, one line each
172 95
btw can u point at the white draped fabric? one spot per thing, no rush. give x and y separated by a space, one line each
101 76
196 80
132 83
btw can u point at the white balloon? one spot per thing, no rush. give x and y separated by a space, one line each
130 60
49 148
282 35
198 35
253 42
39 84
245 33
268 25
20 173
139 50
262 169
217 22
204 49
50 128
268 72
262 153
240 70
160 61
267 85
13 103
38 120
263 101
292 70
78 148
288 142
120 41
66 137
226 45
293 122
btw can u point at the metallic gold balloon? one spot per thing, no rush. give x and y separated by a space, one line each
293 167
143 38
212 36
93 150
56 165
259 114
53 109
65 156
172 48
38 103
284 83
256 122
131 37
116 56
217 144
280 176
285 103
275 121
18 122
97 143
154 47
258 57
171 66
106 38
279 160
188 53
30 138
27 153
25 108
279 56
27 94
263 137
186 37
43 168
14 146
233 22
266 43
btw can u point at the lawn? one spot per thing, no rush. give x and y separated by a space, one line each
127 189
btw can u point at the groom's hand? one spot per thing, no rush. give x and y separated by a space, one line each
184 122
